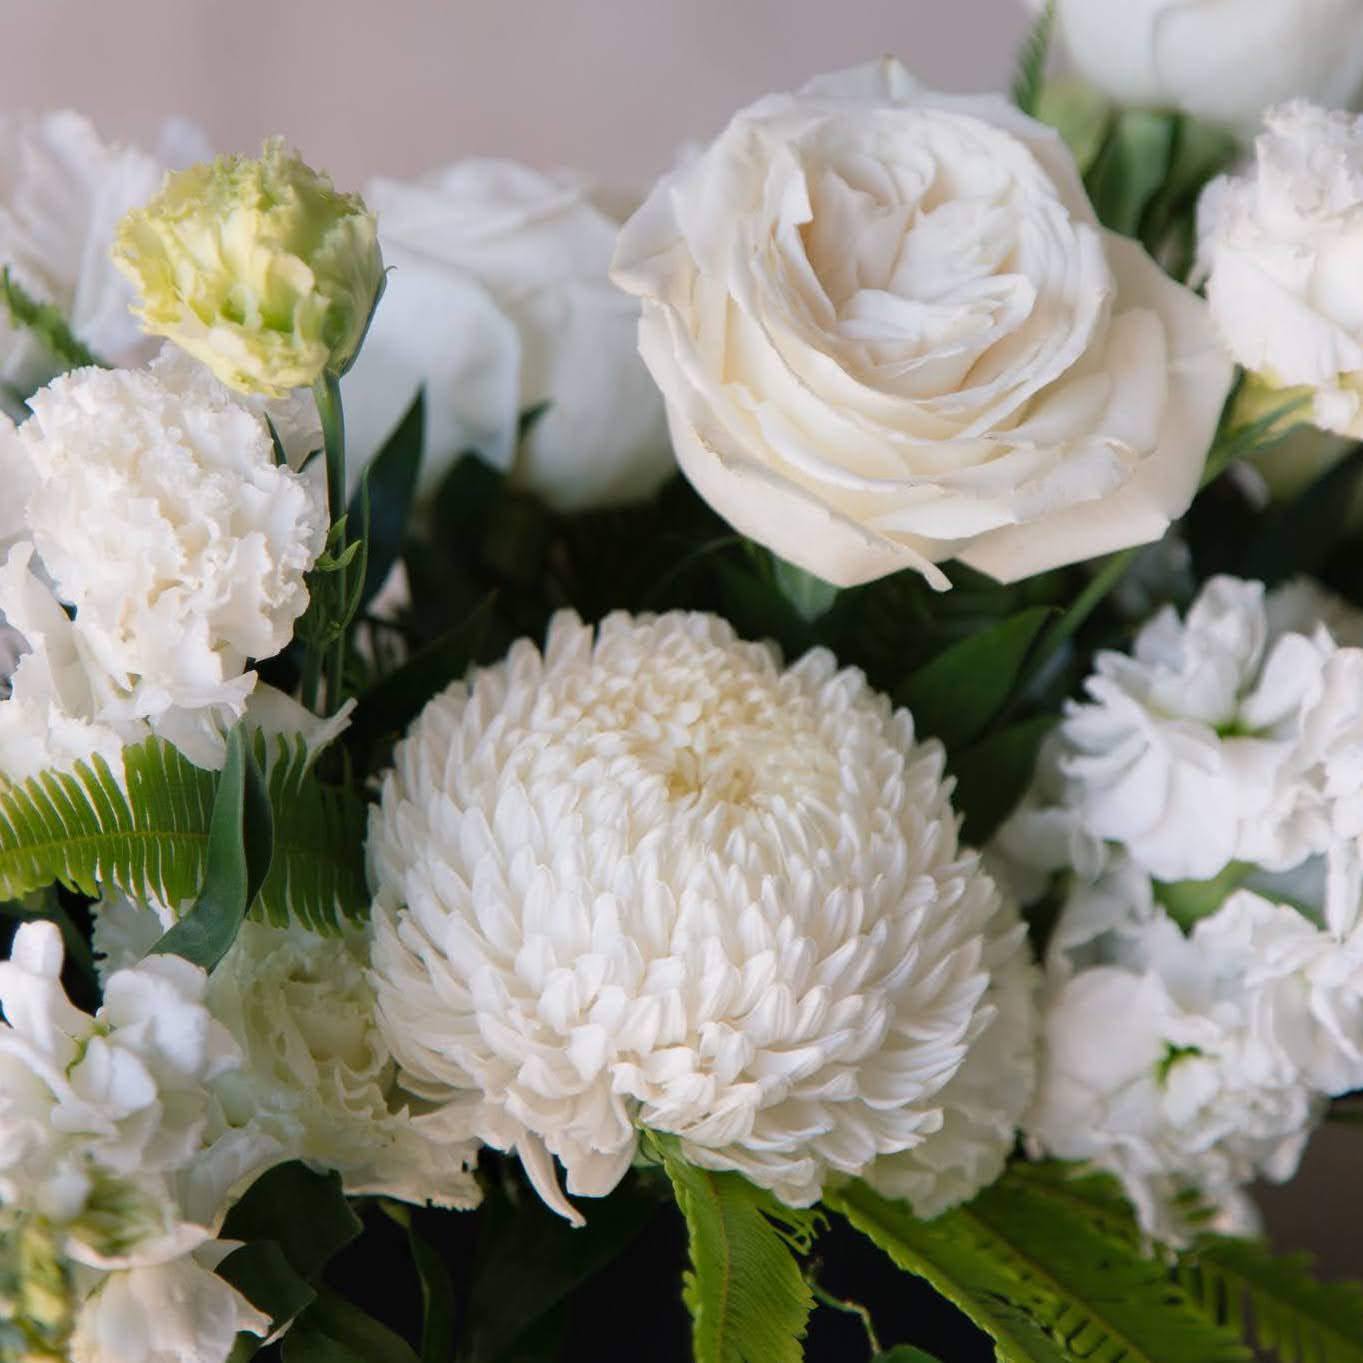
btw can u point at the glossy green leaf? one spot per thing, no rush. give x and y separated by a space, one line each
240 849
305 1213
262 1273
904 1353
993 776
392 475
331 1330
955 696
1132 168
437 1291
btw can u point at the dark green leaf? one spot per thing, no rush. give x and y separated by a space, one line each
47 323
530 1260
1030 77
993 776
392 476
331 1330
240 849
1131 169
389 706
262 1273
956 695
1300 538
748 1300
305 1213
437 1291
904 1353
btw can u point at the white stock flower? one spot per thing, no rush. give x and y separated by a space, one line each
1222 60
113 1140
62 192
1185 750
650 879
890 331
498 300
1153 1068
158 514
1281 246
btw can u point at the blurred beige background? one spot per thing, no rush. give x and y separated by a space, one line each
610 87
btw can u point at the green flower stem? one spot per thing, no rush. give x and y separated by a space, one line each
327 392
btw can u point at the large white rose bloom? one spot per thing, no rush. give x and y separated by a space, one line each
890 331
498 301
1281 246
1223 60
117 1153
316 1072
1155 1067
156 512
62 192
647 878
1196 749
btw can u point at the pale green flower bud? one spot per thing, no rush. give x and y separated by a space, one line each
260 269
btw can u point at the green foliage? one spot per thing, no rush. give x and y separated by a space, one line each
292 1222
45 321
1132 168
1080 114
993 776
1048 1273
904 1353
84 830
955 696
437 1291
749 1303
331 1330
236 861
1030 78
1275 1302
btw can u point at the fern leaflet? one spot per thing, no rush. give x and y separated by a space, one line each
148 835
1032 58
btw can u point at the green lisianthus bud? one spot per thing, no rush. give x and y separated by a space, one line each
260 269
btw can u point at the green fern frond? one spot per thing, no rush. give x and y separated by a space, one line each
1275 1302
149 837
1090 1294
1033 56
748 1300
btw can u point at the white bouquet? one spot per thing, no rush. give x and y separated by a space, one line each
823 704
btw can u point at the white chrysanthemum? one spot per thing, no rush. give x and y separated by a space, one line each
1184 751
112 1136
159 516
1154 1069
649 879
62 192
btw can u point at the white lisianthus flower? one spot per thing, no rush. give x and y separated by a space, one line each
890 331
649 879
116 1148
157 513
1280 246
1184 751
62 192
1222 60
499 301
1154 1070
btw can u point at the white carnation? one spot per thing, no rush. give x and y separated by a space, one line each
157 513
1184 751
62 192
1281 245
113 1140
649 879
1154 1069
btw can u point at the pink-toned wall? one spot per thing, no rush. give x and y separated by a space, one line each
610 87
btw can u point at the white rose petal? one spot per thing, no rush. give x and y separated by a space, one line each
498 301
890 332
650 878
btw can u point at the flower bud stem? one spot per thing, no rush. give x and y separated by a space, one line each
327 393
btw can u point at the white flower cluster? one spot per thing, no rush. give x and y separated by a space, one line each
117 1158
154 549
648 878
1212 781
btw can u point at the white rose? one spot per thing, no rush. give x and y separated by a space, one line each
498 301
1282 246
1223 60
890 332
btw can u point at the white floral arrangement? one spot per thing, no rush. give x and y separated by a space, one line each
808 724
